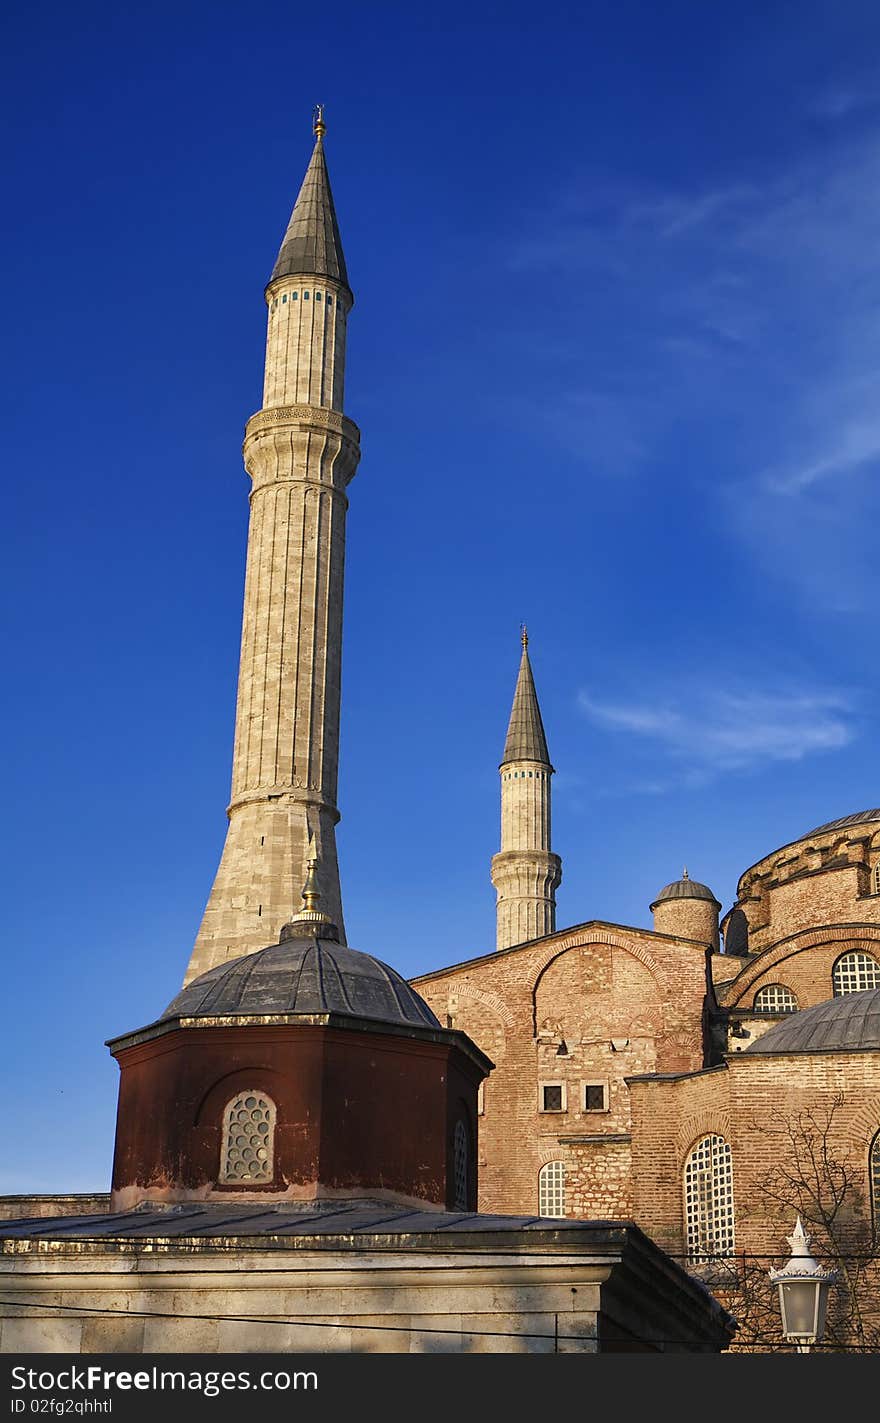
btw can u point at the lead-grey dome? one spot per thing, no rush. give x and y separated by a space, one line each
838 1025
861 817
308 975
685 888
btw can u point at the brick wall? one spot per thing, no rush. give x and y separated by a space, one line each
586 1006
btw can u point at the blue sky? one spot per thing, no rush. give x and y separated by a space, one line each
615 357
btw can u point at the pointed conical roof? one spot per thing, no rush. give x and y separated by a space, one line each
312 245
525 733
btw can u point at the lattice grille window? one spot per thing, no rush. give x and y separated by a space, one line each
248 1139
875 880
874 1173
855 972
708 1199
775 998
551 1189
460 1166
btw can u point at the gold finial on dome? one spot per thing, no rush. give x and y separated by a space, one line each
684 873
319 128
524 635
310 920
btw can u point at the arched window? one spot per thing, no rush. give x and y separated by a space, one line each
874 1174
551 1189
708 1199
854 972
248 1147
460 1166
875 879
775 998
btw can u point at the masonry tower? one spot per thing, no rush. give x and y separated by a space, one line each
526 873
300 452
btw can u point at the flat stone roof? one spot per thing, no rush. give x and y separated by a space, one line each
308 1221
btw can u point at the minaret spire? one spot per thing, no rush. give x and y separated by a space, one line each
525 732
312 244
525 873
301 453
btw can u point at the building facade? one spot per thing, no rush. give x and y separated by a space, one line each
631 1073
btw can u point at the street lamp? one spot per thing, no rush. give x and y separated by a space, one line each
803 1287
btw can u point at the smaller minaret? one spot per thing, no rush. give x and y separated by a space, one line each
525 873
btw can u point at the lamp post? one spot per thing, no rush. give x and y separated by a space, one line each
803 1286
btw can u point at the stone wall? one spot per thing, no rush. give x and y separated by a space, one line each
605 1288
47 1207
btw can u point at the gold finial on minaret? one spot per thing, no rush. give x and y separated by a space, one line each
684 873
319 128
524 635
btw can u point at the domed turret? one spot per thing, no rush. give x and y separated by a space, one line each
689 910
302 1070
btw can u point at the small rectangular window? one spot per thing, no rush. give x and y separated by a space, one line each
317 296
595 1097
284 298
305 296
329 299
294 296
552 1098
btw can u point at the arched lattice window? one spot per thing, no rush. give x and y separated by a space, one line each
551 1189
460 1166
874 1177
855 972
775 998
708 1199
248 1149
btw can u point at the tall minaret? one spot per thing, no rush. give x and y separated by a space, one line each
300 452
526 873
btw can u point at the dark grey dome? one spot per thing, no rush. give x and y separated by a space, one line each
838 1025
861 817
303 976
685 888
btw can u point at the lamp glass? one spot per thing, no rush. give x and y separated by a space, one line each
799 1302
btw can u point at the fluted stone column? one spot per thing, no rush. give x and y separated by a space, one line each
300 452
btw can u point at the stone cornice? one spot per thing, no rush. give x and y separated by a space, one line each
305 417
410 1032
313 796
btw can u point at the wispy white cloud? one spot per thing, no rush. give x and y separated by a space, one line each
710 732
751 307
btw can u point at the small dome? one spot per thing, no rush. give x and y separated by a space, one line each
685 888
303 975
838 1025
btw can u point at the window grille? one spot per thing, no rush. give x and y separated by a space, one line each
248 1139
594 1097
855 972
551 1189
708 1199
874 1173
775 998
552 1097
460 1166
875 879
